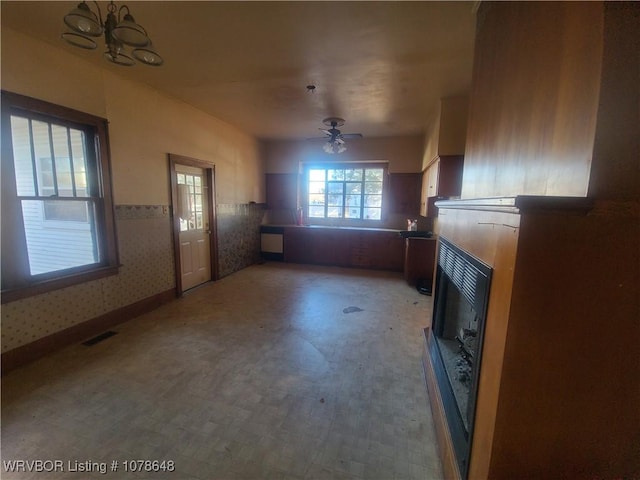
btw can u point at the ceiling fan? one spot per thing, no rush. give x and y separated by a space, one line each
335 138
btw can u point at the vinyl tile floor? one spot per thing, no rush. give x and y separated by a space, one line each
278 371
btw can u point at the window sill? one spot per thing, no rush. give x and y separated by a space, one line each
44 286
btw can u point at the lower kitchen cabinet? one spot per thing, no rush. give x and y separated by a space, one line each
296 245
419 261
327 247
343 247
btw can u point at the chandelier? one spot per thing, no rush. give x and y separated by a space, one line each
119 31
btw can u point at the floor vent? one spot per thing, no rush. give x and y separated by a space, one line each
103 336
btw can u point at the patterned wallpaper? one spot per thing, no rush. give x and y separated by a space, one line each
238 236
146 254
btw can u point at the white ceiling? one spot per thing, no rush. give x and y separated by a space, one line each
382 66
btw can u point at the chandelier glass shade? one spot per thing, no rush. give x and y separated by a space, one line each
120 31
83 20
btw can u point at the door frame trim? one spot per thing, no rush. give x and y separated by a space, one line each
209 169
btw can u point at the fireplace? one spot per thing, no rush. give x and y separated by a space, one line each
455 343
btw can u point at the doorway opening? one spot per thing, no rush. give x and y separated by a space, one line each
193 221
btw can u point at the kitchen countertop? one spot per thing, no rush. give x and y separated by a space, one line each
402 233
331 227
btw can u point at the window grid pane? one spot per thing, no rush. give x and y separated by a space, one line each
61 154
60 247
316 212
373 213
44 162
56 152
50 161
23 156
353 193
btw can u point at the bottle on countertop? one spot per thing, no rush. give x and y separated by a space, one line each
412 225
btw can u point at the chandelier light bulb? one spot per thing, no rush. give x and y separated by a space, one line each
83 25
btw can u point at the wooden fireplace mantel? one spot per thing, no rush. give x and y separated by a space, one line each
521 204
555 398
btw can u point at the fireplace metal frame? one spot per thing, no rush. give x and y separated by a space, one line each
472 277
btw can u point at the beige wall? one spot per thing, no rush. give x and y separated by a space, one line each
144 125
446 129
404 154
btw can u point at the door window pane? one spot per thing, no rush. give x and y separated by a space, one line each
190 201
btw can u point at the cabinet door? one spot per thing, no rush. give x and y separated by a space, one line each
282 191
387 252
450 176
404 193
443 178
424 193
419 260
297 245
434 175
429 188
360 249
328 247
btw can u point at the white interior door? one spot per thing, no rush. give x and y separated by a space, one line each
192 211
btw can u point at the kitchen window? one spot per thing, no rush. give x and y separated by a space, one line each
57 211
345 192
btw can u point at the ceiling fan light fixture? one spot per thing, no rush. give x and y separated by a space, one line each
335 139
333 147
328 148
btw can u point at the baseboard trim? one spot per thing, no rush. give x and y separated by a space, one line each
443 437
32 351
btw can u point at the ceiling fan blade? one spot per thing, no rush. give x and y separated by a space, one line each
339 140
324 130
351 135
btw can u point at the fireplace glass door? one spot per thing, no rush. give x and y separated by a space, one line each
462 289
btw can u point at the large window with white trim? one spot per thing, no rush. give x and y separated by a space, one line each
345 191
57 213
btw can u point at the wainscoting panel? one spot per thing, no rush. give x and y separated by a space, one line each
146 256
238 236
147 270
